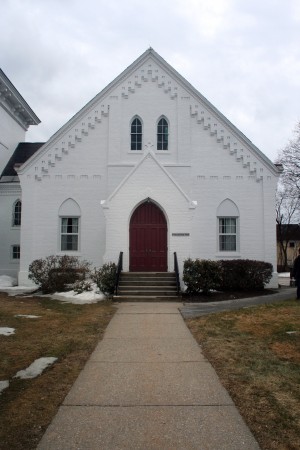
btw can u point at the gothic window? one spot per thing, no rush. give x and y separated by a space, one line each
228 226
17 208
69 222
162 134
227 234
69 233
136 134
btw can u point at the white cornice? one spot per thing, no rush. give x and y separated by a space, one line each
15 105
10 188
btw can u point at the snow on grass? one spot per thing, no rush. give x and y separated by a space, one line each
27 316
85 297
36 368
6 331
3 385
8 284
6 281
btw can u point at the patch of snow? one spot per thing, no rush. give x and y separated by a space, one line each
28 316
3 385
284 275
7 281
36 368
85 297
6 331
292 332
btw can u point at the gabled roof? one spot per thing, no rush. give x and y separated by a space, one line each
150 53
21 154
14 104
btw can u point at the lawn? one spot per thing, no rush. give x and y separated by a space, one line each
255 351
256 354
66 331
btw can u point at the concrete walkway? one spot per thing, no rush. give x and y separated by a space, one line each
190 310
147 386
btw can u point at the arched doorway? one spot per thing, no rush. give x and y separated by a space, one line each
148 239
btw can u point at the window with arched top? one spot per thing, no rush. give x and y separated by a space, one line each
136 134
17 210
228 226
69 214
162 134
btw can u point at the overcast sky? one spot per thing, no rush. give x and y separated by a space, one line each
242 55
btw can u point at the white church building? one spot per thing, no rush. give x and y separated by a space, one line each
148 167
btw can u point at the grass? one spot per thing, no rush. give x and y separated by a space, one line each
258 362
66 331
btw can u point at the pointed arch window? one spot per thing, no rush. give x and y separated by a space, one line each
228 226
162 134
70 214
136 134
17 209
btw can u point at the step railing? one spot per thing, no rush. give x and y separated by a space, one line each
119 270
176 270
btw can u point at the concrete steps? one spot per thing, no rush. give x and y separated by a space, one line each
147 287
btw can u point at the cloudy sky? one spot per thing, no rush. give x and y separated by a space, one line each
242 55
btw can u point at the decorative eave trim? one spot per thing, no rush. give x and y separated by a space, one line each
15 105
150 53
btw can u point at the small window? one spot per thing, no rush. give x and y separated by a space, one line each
136 134
227 234
15 252
17 213
162 134
292 244
69 233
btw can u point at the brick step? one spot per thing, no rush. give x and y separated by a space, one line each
146 283
147 286
135 275
151 292
147 298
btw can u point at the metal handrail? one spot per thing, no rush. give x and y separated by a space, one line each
176 270
119 270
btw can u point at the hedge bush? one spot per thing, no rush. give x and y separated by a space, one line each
243 274
105 278
55 273
201 275
225 275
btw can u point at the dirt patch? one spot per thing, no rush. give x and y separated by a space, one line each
66 331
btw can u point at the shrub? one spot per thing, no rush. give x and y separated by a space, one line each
54 273
225 275
243 274
81 286
201 275
105 278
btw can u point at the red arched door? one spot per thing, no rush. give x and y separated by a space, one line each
148 239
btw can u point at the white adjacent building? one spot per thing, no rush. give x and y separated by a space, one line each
148 167
15 118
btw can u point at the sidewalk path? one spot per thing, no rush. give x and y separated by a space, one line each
190 310
147 386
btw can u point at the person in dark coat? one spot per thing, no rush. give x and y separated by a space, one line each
296 274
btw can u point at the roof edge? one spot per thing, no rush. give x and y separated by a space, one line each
9 91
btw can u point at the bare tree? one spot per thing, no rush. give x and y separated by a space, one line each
290 160
288 197
287 218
